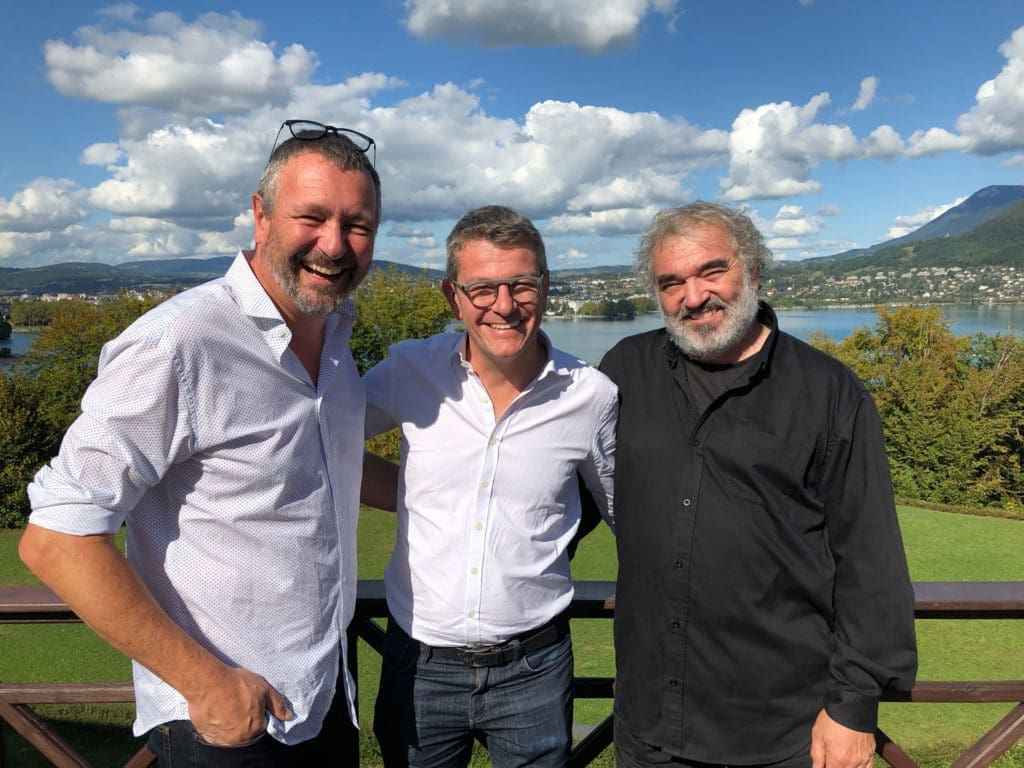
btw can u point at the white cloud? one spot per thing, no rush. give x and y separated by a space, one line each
623 221
589 25
868 87
43 205
774 148
996 122
935 141
212 66
178 178
828 209
782 243
904 225
121 12
561 156
104 153
572 255
793 221
1014 161
647 186
883 143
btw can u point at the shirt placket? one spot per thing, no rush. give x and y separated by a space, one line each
481 523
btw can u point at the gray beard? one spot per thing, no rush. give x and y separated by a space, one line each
286 271
706 344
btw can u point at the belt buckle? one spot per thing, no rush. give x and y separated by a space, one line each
477 655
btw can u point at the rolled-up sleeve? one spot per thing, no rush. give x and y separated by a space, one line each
135 423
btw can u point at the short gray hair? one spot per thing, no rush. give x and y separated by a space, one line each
496 224
336 148
747 242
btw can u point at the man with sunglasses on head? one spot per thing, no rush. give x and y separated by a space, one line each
224 429
495 426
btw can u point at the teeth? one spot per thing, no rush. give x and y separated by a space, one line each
326 272
505 326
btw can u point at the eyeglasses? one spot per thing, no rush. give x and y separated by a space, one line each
483 293
310 130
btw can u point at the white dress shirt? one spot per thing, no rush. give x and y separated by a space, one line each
487 508
238 480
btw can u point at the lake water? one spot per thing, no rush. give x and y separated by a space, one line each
590 339
19 342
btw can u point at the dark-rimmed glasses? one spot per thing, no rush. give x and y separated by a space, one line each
483 293
311 130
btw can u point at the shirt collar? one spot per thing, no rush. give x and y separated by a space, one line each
551 367
255 302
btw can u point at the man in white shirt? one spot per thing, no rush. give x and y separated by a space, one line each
495 426
224 428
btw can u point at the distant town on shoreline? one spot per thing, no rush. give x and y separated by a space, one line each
971 254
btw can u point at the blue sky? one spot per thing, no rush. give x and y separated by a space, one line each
138 131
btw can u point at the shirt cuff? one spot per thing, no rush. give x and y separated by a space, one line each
853 709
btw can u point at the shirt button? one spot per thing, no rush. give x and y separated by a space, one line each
686 502
474 571
673 682
678 563
471 614
492 442
479 526
675 625
696 443
485 484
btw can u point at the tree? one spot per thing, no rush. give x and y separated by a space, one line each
5 330
33 313
952 407
26 443
40 398
63 357
393 305
644 305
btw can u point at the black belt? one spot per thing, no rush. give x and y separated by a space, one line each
498 654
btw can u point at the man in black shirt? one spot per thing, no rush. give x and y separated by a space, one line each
763 598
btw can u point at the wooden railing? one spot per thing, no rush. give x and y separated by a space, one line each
594 600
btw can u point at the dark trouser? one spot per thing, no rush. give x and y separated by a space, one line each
177 745
430 708
631 752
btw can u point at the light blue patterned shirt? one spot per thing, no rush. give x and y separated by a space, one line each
238 479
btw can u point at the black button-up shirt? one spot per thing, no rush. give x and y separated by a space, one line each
761 570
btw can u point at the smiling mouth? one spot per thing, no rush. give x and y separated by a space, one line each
330 272
505 326
705 313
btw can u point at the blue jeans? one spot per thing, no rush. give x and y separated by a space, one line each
177 745
429 709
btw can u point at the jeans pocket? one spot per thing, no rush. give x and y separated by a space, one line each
241 745
548 656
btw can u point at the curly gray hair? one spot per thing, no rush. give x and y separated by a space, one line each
747 242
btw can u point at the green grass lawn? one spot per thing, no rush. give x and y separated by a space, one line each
941 546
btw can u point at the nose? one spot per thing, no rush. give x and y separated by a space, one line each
503 303
694 294
333 239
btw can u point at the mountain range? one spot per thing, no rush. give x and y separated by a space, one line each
986 229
